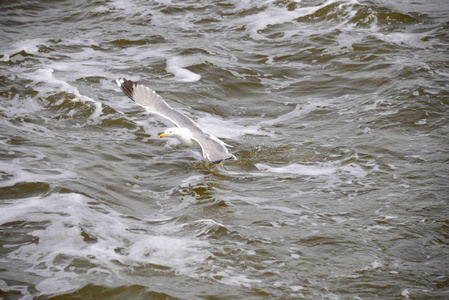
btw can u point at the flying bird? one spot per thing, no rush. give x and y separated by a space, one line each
186 130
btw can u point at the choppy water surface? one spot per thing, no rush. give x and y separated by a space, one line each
336 110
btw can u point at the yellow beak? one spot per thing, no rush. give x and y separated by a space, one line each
162 135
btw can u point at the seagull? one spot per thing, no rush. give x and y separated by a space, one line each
186 130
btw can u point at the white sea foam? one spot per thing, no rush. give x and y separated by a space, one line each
415 40
333 173
51 82
345 42
4 287
378 227
299 169
286 210
298 111
18 174
232 277
18 107
177 66
229 129
175 252
405 293
30 46
69 218
274 15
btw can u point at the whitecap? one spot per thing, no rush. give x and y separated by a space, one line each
229 129
51 83
76 228
232 277
46 76
298 169
275 15
175 252
4 287
177 66
415 40
298 111
405 293
18 174
29 46
282 209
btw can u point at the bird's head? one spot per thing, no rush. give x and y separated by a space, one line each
168 132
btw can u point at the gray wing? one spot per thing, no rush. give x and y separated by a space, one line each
213 148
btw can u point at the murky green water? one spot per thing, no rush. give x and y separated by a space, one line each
336 110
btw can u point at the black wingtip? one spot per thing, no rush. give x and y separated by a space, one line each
127 86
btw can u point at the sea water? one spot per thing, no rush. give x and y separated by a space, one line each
336 111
